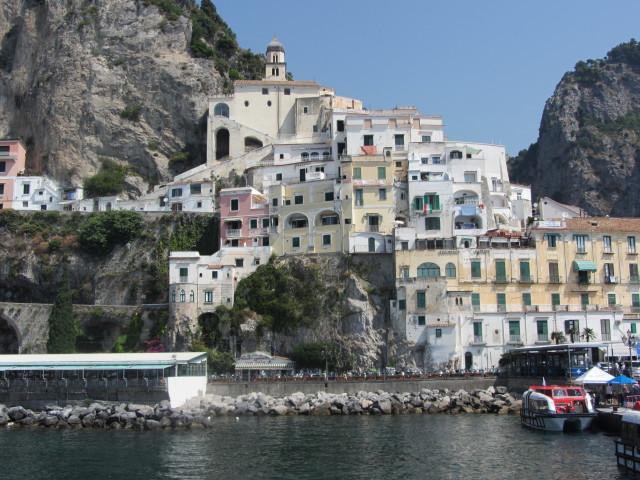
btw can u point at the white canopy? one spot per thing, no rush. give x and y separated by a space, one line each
593 376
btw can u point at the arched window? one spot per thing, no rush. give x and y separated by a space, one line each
315 156
326 155
428 270
251 143
221 110
173 296
372 245
273 71
455 154
305 156
277 72
192 296
182 296
222 143
450 270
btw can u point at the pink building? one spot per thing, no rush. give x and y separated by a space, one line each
12 163
244 218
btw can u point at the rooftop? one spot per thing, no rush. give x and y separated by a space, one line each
592 225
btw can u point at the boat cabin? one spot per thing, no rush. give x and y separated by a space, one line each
567 399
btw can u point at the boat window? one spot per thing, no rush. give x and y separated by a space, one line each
573 392
558 392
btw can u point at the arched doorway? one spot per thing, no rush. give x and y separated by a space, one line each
222 143
468 361
9 342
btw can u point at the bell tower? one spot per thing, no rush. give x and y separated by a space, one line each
275 67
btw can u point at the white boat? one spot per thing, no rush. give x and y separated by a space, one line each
557 408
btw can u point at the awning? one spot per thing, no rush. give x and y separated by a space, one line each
584 266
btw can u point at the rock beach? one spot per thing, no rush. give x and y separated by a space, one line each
200 412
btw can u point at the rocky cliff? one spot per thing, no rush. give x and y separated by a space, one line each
126 80
588 148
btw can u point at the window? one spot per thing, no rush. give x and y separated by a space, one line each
1 188
357 173
208 296
450 270
543 330
584 299
371 244
173 296
340 125
501 300
184 274
608 272
221 110
525 273
432 223
214 275
572 328
635 300
526 299
330 220
606 244
367 140
402 304
555 299
633 273
421 320
399 141
428 270
265 91
633 327
605 329
554 276
438 333
514 330
234 205
269 104
421 299
183 296
477 331
631 244
298 199
501 271
328 196
426 138
581 243
424 160
552 240
239 262
192 296
3 167
298 223
470 177
418 203
304 156
431 203
475 301
359 197
315 130
611 299
475 269
287 91
199 205
404 245
436 160
326 240
295 242
246 103
382 194
455 155
305 110
382 173
274 202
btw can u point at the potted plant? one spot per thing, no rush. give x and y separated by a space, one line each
558 337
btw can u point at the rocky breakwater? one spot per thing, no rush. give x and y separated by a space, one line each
200 412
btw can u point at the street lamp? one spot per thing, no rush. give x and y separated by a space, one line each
630 341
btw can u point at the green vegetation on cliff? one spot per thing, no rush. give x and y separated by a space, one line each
63 329
102 231
108 181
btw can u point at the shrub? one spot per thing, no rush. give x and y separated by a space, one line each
108 181
103 230
169 8
131 112
63 328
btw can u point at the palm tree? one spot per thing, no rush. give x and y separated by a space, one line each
574 333
558 337
588 334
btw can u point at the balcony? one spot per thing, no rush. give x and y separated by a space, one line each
531 308
476 308
258 232
542 338
525 280
555 279
515 339
358 182
606 337
478 340
184 279
501 279
501 308
610 279
634 279
373 228
234 232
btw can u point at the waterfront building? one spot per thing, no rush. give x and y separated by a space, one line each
244 218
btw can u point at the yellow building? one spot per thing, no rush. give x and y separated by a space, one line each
306 218
368 200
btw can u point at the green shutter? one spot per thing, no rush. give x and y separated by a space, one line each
525 273
555 299
475 269
421 300
477 329
584 299
502 299
382 173
635 299
475 299
526 299
357 173
501 270
542 328
514 328
611 299
418 203
633 328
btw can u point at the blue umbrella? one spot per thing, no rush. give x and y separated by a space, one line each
622 380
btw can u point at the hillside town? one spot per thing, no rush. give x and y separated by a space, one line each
480 267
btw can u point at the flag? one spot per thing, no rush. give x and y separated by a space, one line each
544 382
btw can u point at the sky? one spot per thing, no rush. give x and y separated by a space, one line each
486 66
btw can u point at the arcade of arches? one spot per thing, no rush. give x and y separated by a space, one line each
8 337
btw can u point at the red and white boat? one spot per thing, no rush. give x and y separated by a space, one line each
557 408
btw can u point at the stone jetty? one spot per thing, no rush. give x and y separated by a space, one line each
201 412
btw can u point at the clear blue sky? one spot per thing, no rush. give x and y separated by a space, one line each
486 66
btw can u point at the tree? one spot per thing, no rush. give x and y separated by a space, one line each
588 334
558 337
63 329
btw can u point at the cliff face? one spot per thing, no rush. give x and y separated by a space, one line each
82 80
588 149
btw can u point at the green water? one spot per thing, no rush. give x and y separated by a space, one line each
412 446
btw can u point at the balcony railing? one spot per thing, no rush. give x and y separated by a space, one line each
233 232
501 308
259 231
476 308
606 337
374 228
526 280
184 279
543 337
501 280
554 279
515 339
634 279
478 340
